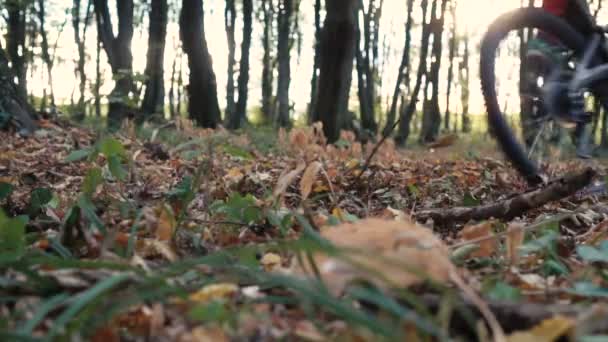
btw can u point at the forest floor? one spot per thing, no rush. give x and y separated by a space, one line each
181 234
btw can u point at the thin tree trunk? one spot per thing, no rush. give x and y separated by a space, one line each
404 70
243 80
172 88
118 50
336 64
452 55
464 73
431 121
98 77
44 46
229 24
203 106
154 97
284 57
267 65
180 84
80 36
315 67
406 117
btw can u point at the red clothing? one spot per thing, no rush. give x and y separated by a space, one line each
556 7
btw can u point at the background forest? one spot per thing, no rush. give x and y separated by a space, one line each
233 170
253 61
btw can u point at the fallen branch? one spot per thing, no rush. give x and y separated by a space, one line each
515 206
512 316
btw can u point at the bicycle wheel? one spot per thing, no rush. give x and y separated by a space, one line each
528 131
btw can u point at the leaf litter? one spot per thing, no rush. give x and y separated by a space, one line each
208 238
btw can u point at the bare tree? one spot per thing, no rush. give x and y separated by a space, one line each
407 115
154 97
118 50
337 51
285 13
267 60
229 24
243 80
403 75
80 27
203 106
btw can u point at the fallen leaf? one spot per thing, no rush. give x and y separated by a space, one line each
549 330
213 292
270 261
286 180
308 179
444 141
166 224
206 334
307 331
515 238
404 253
487 247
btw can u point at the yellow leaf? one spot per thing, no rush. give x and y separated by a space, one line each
548 330
308 179
271 261
234 175
213 292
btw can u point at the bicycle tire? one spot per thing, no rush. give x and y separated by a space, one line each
523 18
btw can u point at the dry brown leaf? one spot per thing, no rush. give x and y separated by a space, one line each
148 248
286 180
404 253
549 330
444 141
166 224
205 334
308 332
515 238
487 247
308 179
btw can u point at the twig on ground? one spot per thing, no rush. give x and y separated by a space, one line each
514 206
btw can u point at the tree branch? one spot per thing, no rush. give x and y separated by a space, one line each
515 206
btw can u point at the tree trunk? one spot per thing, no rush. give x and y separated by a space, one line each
404 71
464 75
44 46
172 110
452 55
284 57
367 62
15 43
118 50
203 106
267 65
406 117
80 28
229 24
154 97
431 120
243 80
98 76
12 101
315 67
337 52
